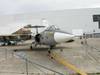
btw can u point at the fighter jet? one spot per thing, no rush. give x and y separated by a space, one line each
51 36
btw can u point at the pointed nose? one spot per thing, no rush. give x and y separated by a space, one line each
62 37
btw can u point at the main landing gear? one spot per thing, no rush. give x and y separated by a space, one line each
49 54
30 47
49 51
50 48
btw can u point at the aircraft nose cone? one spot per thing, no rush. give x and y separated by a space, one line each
62 37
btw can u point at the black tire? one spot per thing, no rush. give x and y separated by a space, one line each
31 47
49 52
52 46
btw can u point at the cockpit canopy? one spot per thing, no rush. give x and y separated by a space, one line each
55 29
52 28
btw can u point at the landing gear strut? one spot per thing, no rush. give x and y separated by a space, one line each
49 53
50 48
31 47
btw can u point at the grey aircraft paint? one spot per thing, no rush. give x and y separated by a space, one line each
50 36
47 37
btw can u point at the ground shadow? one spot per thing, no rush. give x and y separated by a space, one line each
41 49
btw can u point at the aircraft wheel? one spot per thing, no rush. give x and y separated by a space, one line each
31 47
51 57
61 50
49 52
52 46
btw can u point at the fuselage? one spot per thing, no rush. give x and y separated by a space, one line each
53 37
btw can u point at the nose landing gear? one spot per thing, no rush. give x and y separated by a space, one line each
37 41
49 54
49 51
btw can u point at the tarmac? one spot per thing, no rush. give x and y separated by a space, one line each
20 60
